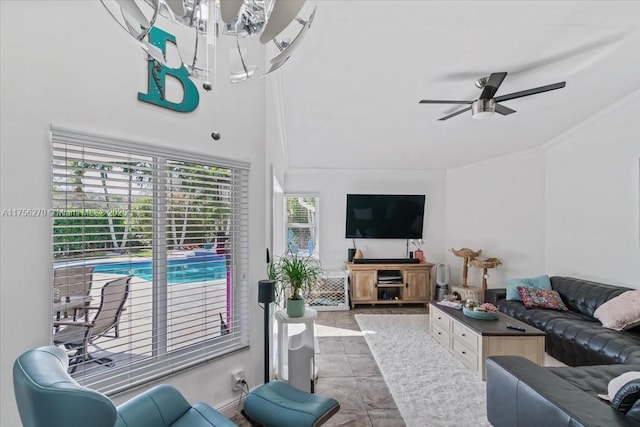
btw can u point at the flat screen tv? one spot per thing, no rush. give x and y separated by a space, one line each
384 216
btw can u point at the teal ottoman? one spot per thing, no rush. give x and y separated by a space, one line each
277 404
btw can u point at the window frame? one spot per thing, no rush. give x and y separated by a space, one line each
162 362
314 227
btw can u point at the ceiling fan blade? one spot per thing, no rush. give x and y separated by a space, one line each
528 92
492 85
505 111
438 101
454 114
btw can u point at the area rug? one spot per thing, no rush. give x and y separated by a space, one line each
429 385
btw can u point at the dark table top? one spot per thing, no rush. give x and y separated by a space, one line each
490 327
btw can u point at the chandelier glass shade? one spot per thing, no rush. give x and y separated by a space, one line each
204 20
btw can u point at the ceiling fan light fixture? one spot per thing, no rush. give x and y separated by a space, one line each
483 109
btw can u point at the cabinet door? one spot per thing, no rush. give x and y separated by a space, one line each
417 288
364 286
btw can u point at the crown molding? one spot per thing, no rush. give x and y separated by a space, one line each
561 137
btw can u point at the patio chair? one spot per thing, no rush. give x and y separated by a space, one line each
75 335
71 282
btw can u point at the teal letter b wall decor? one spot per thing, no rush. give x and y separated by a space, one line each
156 86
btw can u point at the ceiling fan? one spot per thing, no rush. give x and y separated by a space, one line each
486 104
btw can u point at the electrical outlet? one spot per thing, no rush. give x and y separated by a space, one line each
237 379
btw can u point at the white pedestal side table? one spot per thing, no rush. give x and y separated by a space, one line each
296 352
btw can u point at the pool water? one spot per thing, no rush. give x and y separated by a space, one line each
198 268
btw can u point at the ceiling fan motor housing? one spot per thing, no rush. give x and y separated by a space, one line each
483 108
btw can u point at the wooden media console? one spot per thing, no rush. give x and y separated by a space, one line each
389 283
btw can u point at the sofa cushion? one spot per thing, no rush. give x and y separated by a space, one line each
533 297
593 380
540 282
583 296
540 318
621 312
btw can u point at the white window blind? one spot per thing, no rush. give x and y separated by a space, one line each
172 224
302 224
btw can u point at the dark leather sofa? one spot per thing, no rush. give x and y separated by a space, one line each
521 393
575 337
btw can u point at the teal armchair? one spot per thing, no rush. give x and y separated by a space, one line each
47 396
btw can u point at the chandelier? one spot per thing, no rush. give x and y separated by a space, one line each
202 21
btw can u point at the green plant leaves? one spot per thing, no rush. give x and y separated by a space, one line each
293 273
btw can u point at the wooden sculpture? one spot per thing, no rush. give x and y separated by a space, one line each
485 266
467 255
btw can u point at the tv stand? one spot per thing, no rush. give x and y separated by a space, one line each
389 283
386 261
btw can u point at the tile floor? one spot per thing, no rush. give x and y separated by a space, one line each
348 372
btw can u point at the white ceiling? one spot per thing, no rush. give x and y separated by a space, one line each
351 91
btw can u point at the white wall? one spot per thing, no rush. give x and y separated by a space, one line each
276 158
498 206
593 195
68 63
568 208
333 186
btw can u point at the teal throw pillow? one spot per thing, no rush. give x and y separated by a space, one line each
540 282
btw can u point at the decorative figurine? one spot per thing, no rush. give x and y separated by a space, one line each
485 265
467 255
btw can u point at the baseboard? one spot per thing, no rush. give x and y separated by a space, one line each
228 408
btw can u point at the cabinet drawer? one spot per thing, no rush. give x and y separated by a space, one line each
441 335
468 357
440 319
466 336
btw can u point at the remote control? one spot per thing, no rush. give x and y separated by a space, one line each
517 328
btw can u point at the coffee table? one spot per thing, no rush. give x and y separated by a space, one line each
473 340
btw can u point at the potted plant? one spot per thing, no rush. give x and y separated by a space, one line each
293 276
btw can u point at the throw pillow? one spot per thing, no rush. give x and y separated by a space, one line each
623 390
544 298
621 312
540 282
626 396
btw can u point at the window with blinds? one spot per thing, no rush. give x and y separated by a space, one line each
150 253
302 224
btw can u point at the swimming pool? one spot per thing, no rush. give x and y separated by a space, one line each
197 268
